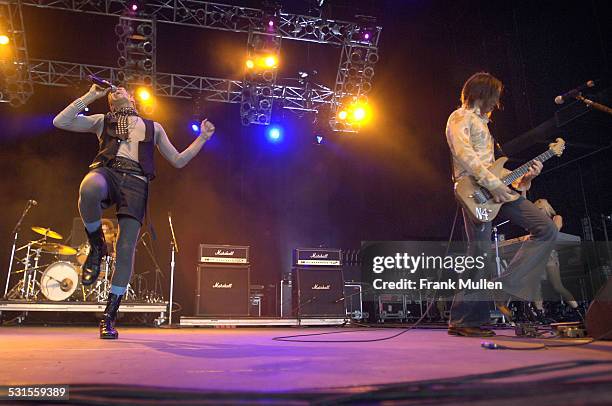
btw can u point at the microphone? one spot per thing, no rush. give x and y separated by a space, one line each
32 202
103 83
572 93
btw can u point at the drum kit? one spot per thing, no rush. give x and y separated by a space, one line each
59 267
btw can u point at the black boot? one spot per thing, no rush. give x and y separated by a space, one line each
97 251
107 324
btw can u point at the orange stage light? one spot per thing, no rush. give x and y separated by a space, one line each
4 40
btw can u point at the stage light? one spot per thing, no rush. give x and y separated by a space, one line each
143 94
250 64
359 114
275 134
195 127
270 61
342 115
4 39
86 109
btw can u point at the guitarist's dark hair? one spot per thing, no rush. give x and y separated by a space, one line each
481 86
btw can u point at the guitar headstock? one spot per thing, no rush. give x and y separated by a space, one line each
558 146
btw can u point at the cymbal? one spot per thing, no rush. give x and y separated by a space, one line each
47 232
54 248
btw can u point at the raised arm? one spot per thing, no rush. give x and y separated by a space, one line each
70 120
176 159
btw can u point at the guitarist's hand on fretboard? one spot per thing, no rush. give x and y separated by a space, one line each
502 194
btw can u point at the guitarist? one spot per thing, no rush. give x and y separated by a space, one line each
472 150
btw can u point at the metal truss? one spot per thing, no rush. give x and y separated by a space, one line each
309 97
224 17
16 88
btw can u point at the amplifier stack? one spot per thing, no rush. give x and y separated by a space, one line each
317 283
223 281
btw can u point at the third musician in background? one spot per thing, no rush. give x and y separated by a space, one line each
553 268
472 149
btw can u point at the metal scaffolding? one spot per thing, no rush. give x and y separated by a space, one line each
15 80
59 73
217 16
308 96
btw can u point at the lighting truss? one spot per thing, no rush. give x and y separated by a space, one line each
296 98
307 97
205 14
16 88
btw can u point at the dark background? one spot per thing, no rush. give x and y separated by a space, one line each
389 182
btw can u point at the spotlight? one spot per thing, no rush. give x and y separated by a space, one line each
270 61
143 94
4 39
342 115
250 64
195 127
359 114
275 134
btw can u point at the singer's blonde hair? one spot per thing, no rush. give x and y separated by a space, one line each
543 204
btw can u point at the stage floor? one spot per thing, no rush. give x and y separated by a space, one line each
248 359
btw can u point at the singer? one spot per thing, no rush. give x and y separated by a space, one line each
120 176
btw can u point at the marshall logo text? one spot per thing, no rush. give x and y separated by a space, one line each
224 253
316 286
219 285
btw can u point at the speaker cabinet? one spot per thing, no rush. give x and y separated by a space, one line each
318 292
599 316
223 290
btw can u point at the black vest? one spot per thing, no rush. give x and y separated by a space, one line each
109 146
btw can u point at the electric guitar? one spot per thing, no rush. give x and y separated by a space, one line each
478 201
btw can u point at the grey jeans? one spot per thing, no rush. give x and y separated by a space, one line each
521 279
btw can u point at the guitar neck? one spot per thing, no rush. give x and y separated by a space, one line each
523 169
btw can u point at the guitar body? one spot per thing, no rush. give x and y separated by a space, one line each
471 197
477 200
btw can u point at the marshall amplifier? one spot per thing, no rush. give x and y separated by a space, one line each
222 290
317 257
318 292
223 254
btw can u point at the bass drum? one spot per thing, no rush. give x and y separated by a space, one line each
59 281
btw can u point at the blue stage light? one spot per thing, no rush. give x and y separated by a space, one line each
275 134
195 127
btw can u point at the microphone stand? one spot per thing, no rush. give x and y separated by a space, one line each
175 249
157 268
497 258
593 104
15 237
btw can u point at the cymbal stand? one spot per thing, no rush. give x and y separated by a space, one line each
16 230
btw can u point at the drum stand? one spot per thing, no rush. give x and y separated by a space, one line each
26 288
